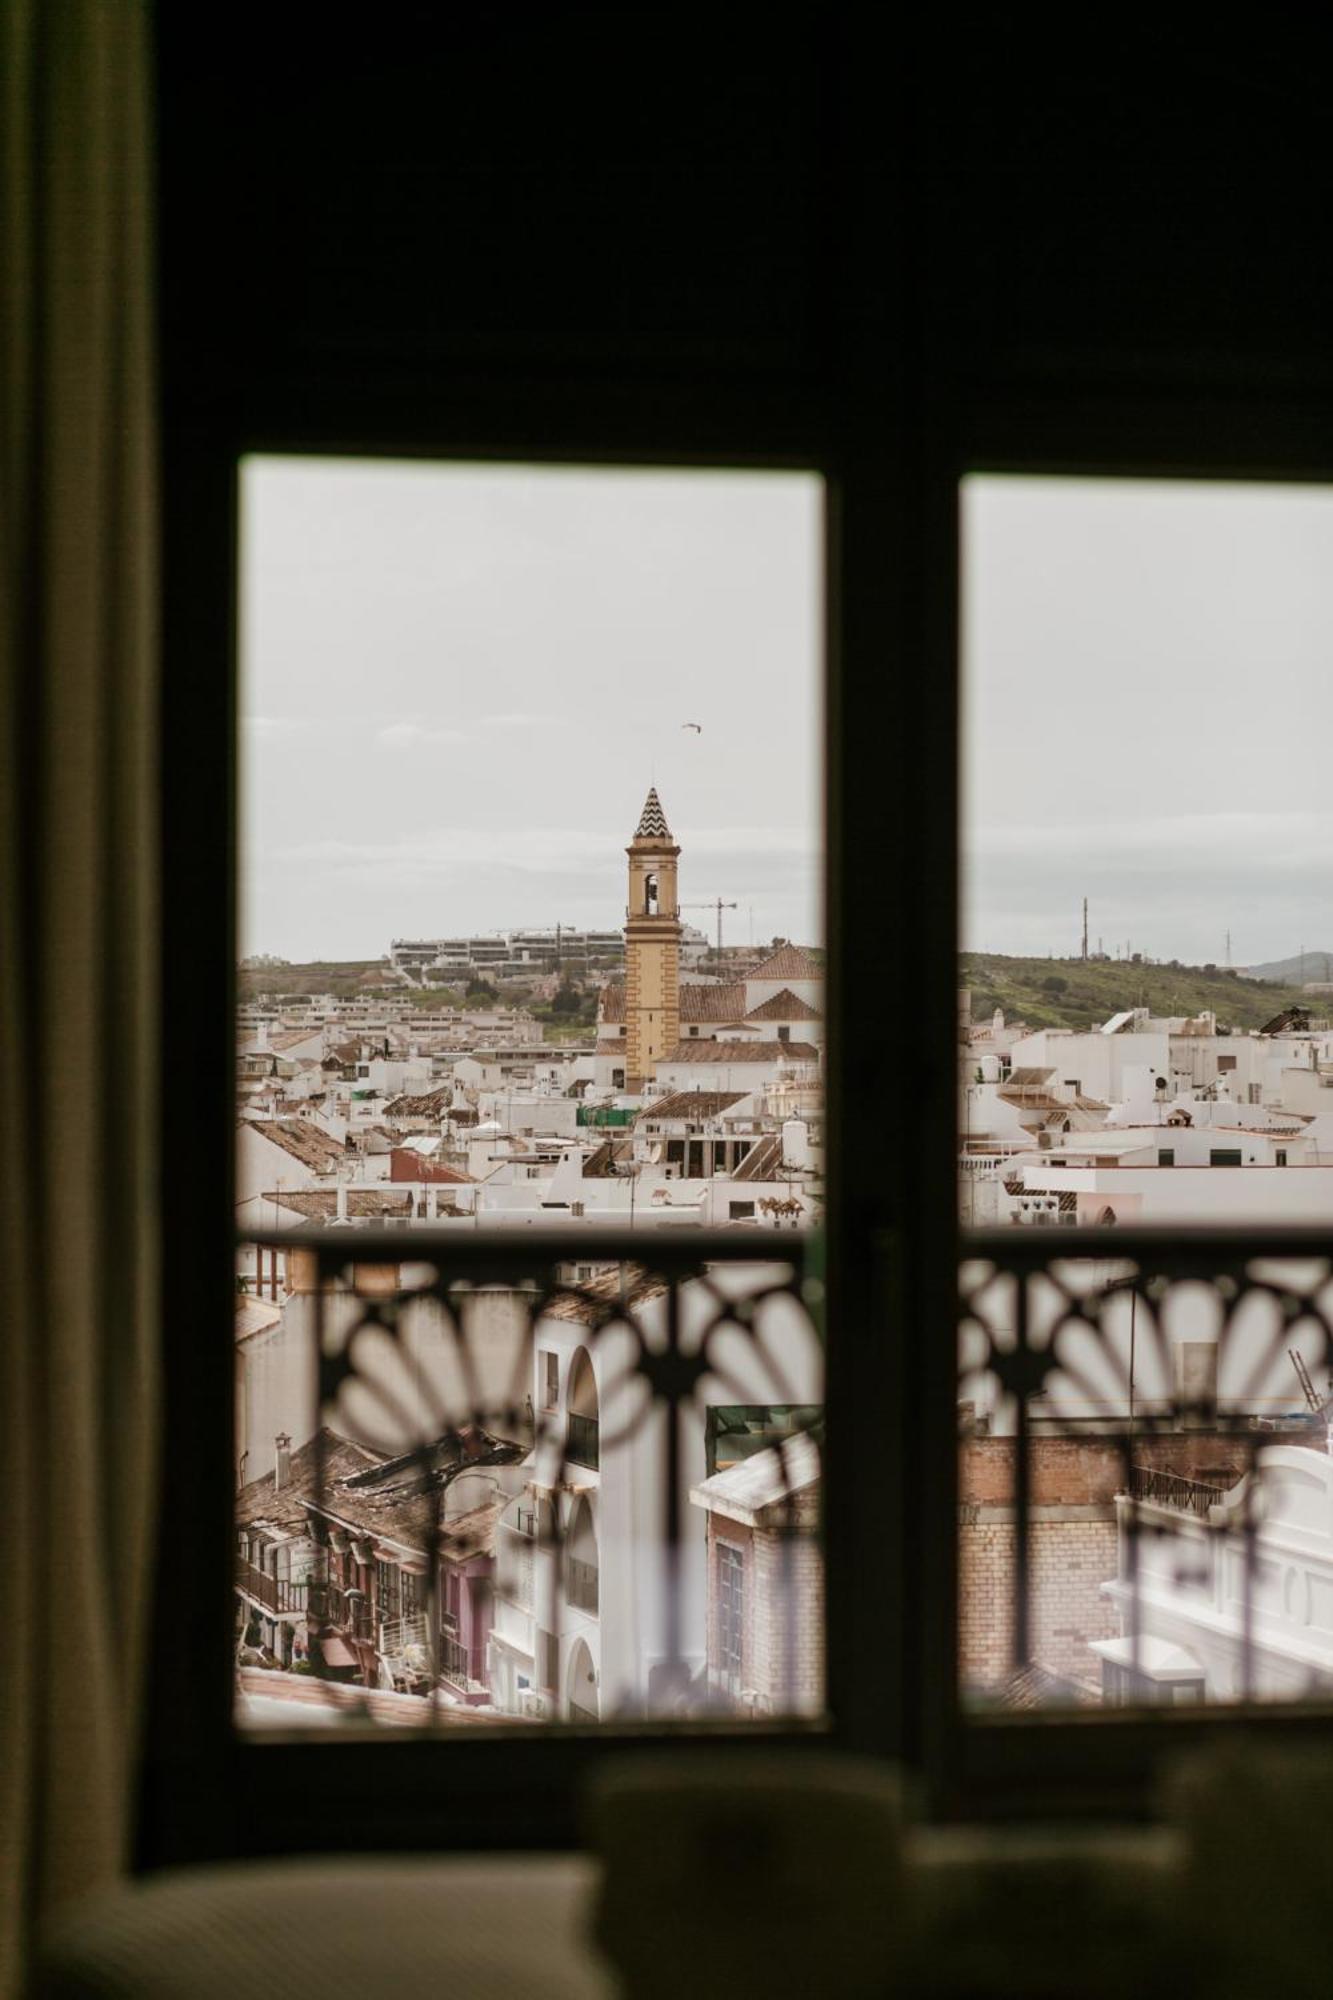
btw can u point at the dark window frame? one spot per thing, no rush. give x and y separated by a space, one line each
885 408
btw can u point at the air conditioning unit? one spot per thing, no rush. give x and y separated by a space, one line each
536 1707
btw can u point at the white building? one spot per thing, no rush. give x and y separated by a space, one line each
583 1627
1189 1606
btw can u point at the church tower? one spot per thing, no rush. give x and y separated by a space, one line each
652 948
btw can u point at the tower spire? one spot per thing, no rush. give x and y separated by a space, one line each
652 820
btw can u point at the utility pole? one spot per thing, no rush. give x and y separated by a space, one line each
1085 929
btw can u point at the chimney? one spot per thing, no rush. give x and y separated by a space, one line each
342 1201
282 1470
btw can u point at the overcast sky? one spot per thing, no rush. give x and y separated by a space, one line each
1147 700
458 683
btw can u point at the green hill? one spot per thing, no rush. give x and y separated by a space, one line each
344 978
1079 993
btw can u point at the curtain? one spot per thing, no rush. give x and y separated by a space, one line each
78 946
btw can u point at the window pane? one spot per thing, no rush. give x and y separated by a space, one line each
1145 1003
532 845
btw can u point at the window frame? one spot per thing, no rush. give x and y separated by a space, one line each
1108 1762
880 414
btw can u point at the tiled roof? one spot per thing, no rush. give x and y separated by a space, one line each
1037 1687
369 1491
743 1052
321 1204
612 1047
652 820
304 1141
432 1105
788 962
690 1104
473 1533
601 1163
593 1293
785 1006
255 1316
711 1003
699 1002
291 1038
286 1509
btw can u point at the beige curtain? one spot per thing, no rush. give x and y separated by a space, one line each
78 866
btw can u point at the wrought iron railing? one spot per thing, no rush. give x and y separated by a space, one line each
1134 1398
1171 1489
427 1355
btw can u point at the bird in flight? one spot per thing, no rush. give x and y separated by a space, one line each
697 727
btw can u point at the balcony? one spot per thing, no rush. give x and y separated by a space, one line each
277 1594
346 1611
582 1441
455 1661
1173 1490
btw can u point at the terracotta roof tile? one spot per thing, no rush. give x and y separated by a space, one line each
699 1002
432 1105
304 1141
255 1316
690 1104
595 1293
321 1204
743 1052
785 1006
788 962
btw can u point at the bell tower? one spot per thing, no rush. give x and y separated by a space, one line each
652 947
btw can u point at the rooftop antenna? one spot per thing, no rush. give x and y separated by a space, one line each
1228 947
1085 928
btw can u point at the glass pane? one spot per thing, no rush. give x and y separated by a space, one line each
533 974
1146 1044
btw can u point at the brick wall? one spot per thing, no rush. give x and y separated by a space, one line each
1069 1562
787 1663
782 1631
1072 1545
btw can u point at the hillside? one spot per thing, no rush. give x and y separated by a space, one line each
1300 966
1074 993
343 978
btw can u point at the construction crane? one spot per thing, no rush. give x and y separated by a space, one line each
719 906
